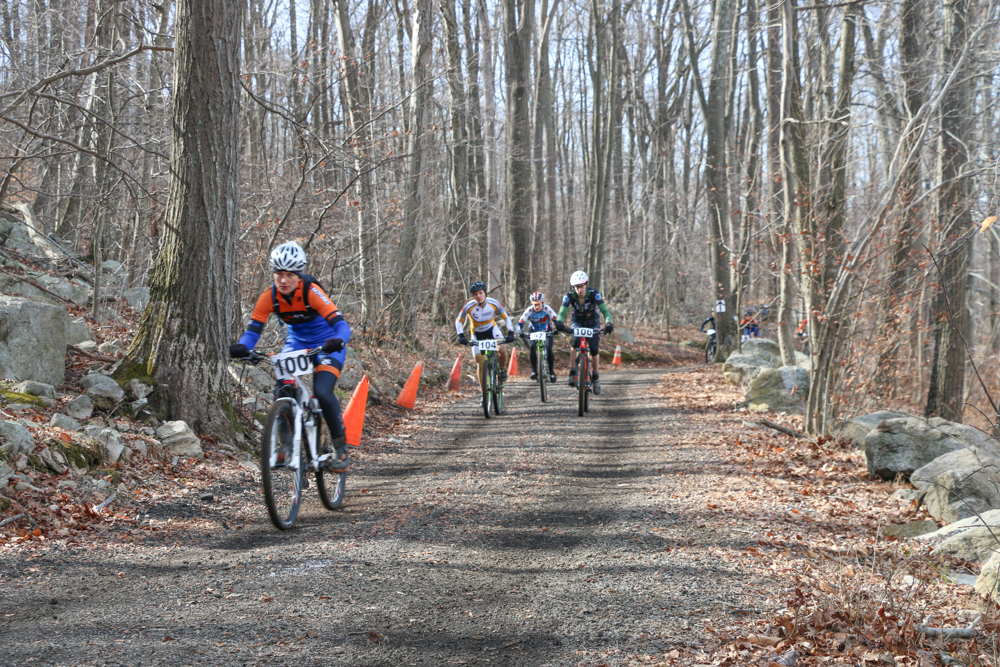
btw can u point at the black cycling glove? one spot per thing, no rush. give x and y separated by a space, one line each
333 345
238 351
462 340
608 328
560 325
509 338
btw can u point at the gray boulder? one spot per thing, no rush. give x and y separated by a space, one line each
53 460
976 544
178 439
33 388
80 407
901 446
111 348
856 428
988 582
257 377
32 341
960 494
114 447
137 297
71 290
782 389
6 472
740 368
103 390
15 439
77 331
64 422
352 372
967 458
761 346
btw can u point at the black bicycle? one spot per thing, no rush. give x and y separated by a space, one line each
711 346
537 339
293 429
489 378
582 334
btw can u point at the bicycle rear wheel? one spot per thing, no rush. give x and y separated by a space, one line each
282 484
487 398
542 374
582 378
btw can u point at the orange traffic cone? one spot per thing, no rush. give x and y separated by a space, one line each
512 364
456 374
407 398
617 360
354 415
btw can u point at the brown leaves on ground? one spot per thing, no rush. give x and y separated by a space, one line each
850 597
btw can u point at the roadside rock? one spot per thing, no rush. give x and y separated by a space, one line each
912 529
178 439
32 341
138 390
15 439
988 582
53 460
111 348
976 544
960 494
782 389
960 459
761 347
103 390
901 446
137 297
77 331
856 428
80 407
65 423
6 472
352 372
35 389
744 367
114 446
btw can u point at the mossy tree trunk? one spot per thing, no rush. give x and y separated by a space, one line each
185 330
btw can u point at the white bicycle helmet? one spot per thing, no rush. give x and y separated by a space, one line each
536 296
578 278
288 257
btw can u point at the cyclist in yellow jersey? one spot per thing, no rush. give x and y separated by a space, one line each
484 314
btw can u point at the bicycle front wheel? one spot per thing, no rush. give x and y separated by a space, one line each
709 351
582 378
542 375
331 488
282 483
497 389
485 379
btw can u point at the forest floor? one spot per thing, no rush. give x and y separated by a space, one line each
663 528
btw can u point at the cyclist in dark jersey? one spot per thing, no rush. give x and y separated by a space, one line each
313 321
587 306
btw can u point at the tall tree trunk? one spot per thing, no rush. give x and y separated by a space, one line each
716 177
357 96
182 338
949 314
420 57
826 335
518 21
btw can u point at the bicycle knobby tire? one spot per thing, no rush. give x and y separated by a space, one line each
282 485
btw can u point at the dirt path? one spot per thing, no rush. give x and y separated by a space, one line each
535 538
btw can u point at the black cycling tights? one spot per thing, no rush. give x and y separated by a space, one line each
323 382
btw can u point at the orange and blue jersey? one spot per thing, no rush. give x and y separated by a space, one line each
311 319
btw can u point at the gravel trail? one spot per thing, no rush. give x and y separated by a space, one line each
534 538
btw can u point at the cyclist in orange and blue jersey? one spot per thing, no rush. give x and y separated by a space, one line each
313 321
484 314
539 316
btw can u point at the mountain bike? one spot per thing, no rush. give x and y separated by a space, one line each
711 346
490 376
538 340
582 334
289 445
